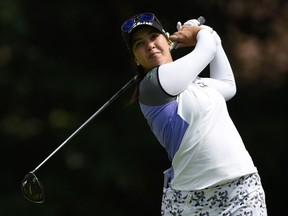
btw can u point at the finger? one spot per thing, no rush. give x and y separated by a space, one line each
179 25
174 37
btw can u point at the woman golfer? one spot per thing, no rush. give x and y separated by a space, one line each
211 171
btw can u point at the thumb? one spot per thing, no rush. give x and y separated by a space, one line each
173 37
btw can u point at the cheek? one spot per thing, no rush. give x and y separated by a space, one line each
137 56
166 48
164 44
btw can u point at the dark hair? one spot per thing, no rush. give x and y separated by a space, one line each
140 74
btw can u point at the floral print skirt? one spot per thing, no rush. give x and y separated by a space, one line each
240 197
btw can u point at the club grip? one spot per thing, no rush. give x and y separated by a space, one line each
201 20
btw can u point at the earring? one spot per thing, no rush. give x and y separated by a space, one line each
167 34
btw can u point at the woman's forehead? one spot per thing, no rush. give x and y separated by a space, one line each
142 32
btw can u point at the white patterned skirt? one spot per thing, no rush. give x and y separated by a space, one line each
240 197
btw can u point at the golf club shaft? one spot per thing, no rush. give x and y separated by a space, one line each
87 121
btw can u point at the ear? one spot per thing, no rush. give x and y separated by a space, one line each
136 62
169 41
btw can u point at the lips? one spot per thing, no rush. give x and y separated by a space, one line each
152 55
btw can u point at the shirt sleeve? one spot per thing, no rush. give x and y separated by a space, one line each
221 74
176 76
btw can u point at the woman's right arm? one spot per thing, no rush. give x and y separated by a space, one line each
176 76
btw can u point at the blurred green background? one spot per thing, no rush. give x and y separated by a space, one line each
60 61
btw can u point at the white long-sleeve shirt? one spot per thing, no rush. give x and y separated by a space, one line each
189 117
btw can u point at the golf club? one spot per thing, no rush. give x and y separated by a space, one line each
31 187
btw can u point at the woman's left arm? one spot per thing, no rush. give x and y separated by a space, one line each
221 73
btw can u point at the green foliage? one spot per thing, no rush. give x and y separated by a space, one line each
60 61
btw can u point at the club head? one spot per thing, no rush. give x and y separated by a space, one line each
32 188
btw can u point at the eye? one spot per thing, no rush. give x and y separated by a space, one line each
138 44
154 36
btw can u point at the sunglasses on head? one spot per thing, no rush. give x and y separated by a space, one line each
146 17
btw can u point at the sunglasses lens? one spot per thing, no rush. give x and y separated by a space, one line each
32 188
148 17
128 25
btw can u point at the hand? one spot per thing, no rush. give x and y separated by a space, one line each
176 38
185 36
208 28
192 22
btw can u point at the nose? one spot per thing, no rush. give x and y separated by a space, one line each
150 45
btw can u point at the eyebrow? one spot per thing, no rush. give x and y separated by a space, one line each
148 32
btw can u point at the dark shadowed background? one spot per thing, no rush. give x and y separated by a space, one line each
60 61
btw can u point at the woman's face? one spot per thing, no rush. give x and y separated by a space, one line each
150 48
